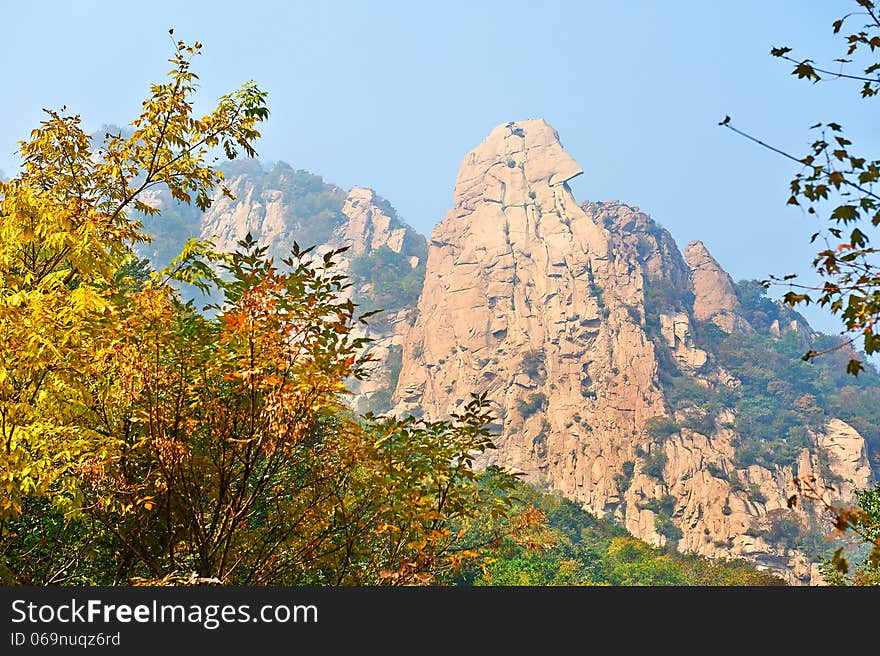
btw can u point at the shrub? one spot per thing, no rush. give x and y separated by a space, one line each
715 470
395 283
654 463
753 492
533 365
624 478
528 407
664 505
661 427
703 424
664 526
783 527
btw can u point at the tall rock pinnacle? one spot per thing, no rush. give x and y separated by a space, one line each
579 322
714 296
525 299
515 160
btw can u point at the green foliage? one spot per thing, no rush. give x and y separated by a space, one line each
661 427
624 478
528 407
665 527
380 401
596 290
653 464
758 309
780 397
857 560
753 493
701 404
585 550
393 282
682 390
43 547
784 528
662 298
631 562
715 470
665 504
703 423
869 502
314 207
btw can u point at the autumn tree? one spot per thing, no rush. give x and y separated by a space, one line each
148 440
239 460
67 228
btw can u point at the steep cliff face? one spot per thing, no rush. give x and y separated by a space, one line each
382 251
582 323
714 296
526 297
370 227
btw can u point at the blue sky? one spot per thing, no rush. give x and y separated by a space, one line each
391 95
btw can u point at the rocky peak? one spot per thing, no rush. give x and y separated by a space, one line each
714 296
384 261
578 321
254 210
514 163
281 205
524 297
371 224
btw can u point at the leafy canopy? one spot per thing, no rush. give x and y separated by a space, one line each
65 238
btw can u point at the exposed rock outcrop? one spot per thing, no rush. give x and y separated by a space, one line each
370 227
586 326
847 458
676 330
267 207
714 296
260 212
568 316
526 297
